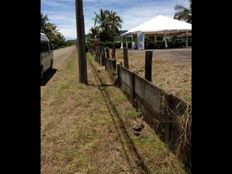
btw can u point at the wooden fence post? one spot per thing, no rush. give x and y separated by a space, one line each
114 64
103 56
101 51
113 53
96 53
118 72
148 65
107 53
106 62
99 55
125 58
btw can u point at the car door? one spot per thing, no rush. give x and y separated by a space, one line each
44 55
50 55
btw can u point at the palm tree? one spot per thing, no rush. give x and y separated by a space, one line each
51 31
44 20
108 25
102 19
115 23
94 31
184 13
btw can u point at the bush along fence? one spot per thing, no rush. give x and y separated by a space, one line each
168 115
102 56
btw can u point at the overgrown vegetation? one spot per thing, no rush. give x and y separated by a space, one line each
50 30
69 43
183 13
106 26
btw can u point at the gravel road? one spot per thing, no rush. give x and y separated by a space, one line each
60 55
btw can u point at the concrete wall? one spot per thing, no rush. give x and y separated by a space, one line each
160 109
149 94
126 82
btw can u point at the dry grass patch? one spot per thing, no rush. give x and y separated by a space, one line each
170 74
88 129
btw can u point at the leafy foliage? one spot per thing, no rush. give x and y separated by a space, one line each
51 31
106 26
183 13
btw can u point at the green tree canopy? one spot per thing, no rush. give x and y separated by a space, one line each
183 13
51 31
106 25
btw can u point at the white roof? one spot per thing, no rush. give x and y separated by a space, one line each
160 24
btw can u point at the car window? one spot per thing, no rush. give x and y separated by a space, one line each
44 47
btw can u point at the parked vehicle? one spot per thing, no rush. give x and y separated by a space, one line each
46 54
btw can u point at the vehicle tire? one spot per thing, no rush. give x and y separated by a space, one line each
41 72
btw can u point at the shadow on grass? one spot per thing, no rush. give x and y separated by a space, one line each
120 128
47 76
101 85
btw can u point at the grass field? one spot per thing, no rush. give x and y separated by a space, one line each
87 129
170 72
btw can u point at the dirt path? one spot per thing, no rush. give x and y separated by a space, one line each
88 129
61 55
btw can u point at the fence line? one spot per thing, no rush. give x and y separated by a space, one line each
162 111
168 115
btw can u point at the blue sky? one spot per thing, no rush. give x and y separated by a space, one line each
132 12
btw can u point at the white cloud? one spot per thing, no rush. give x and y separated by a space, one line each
138 15
68 31
133 12
61 18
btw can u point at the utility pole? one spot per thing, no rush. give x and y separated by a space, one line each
81 42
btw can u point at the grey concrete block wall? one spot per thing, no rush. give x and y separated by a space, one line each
126 79
155 98
125 76
151 95
160 109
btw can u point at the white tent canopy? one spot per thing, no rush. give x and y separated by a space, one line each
158 25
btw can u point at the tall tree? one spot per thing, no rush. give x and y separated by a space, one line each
108 25
94 31
102 19
183 13
51 31
44 20
103 23
115 23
